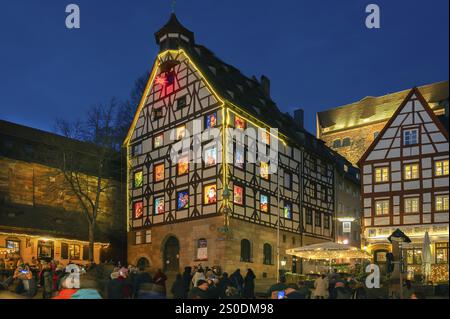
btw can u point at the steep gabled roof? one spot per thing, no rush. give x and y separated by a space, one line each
376 109
416 92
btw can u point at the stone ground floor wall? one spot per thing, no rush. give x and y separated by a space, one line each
223 249
29 247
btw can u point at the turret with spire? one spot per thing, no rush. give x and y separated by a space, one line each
173 34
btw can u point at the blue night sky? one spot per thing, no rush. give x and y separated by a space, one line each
317 53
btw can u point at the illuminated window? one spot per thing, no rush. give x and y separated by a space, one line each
74 252
411 171
265 137
182 200
13 245
210 156
239 158
410 137
210 194
287 210
346 227
138 179
411 205
183 166
441 253
138 209
211 120
239 123
180 132
159 205
158 141
337 143
441 203
382 207
238 195
382 174
264 203
159 173
441 168
264 170
414 256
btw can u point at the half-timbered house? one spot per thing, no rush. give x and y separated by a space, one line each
405 185
202 208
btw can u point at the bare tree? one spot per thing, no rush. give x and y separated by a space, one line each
87 166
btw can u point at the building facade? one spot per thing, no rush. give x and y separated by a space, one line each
40 216
216 206
352 128
405 185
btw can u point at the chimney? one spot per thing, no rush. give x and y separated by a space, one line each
265 83
299 116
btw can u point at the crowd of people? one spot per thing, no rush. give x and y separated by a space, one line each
194 283
26 278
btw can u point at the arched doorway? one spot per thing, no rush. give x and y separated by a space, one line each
143 263
171 254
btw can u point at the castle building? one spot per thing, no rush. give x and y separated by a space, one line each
351 129
405 185
217 207
40 215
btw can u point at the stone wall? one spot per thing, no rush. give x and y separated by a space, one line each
361 138
224 250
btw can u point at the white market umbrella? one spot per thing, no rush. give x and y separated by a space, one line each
329 250
426 256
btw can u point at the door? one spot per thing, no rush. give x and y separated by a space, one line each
171 255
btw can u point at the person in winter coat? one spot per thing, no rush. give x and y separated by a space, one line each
237 281
249 285
199 275
187 279
160 279
139 278
201 291
341 291
321 287
178 290
279 286
47 281
223 285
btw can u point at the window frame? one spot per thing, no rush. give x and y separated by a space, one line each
154 140
154 172
444 209
243 194
181 98
405 199
443 174
382 181
405 130
71 251
388 207
404 178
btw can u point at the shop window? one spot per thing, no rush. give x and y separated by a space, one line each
13 245
64 251
74 252
414 256
267 253
45 250
441 253
245 250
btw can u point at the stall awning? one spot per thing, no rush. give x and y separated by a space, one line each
329 250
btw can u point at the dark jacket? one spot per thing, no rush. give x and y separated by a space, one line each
249 285
178 289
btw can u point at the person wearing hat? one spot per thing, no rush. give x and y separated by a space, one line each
201 291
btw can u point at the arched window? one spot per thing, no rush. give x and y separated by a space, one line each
267 253
143 263
245 250
346 142
337 143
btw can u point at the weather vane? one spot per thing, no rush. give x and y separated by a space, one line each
174 3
